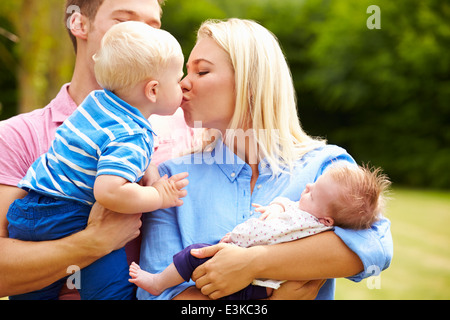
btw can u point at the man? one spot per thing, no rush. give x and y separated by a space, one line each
28 266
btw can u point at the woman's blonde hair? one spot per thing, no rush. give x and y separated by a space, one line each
132 52
265 95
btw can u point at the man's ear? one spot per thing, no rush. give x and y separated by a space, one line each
152 90
79 25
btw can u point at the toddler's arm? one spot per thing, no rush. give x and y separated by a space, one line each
120 195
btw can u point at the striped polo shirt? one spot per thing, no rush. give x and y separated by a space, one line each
104 136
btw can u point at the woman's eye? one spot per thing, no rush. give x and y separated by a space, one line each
202 73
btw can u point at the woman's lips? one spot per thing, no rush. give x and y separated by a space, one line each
184 101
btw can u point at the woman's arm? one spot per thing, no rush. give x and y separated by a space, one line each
232 268
29 266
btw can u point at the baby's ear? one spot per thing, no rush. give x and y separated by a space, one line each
151 91
328 221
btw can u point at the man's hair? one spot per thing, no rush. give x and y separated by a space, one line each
132 52
362 196
87 8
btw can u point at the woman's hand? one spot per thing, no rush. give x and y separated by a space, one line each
229 271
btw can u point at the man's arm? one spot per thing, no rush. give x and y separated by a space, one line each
29 266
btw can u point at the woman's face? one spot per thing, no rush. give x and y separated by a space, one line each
209 87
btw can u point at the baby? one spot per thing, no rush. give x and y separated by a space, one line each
344 196
102 153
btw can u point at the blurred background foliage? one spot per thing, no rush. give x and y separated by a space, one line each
383 94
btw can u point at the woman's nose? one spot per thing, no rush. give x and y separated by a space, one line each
186 84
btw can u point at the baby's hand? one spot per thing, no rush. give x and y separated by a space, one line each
171 190
261 209
226 238
266 211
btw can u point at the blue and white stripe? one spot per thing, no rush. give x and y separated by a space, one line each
105 135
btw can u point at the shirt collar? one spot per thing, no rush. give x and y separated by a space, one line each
230 164
63 105
233 166
128 109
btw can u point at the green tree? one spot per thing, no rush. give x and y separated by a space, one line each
389 89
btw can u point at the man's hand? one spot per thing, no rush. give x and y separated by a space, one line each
113 230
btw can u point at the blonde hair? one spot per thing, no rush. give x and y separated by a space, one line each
362 196
265 94
132 52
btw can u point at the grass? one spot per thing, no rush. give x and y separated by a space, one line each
420 269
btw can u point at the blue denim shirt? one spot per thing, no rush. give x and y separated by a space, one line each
219 198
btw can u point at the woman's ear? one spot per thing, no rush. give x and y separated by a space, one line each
151 91
78 25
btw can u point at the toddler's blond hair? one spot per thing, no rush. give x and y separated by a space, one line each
132 52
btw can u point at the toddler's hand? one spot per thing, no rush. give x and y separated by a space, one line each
171 190
151 176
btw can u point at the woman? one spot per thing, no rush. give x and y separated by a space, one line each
239 84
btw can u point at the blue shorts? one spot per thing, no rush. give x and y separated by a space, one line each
38 217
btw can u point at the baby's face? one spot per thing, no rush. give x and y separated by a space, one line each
171 94
316 196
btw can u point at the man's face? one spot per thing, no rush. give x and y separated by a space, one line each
112 12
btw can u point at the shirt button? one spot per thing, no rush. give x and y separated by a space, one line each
233 175
259 186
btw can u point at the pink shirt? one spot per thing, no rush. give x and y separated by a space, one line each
25 137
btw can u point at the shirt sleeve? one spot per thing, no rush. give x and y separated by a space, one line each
127 157
18 150
373 246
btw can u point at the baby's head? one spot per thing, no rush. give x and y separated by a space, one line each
132 53
348 197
